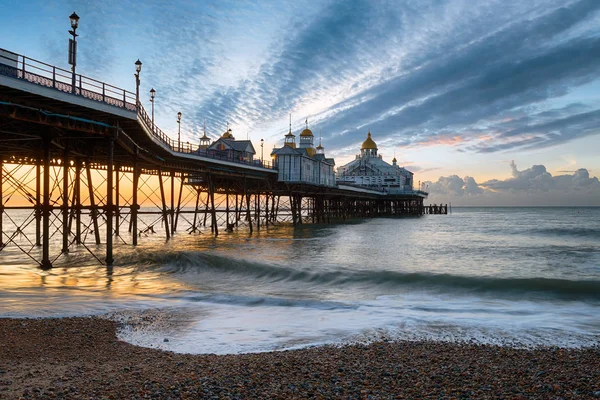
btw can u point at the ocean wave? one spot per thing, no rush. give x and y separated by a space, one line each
186 263
575 231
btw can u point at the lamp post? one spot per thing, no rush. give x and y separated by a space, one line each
152 95
138 69
73 48
179 131
262 144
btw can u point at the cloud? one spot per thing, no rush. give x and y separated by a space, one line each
537 180
479 77
532 186
454 186
520 65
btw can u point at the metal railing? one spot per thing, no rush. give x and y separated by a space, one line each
20 67
193 149
385 189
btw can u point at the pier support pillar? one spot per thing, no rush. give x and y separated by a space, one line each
172 210
1 205
267 210
211 190
164 204
193 230
178 210
134 205
109 202
77 189
38 204
46 208
117 208
248 214
93 208
65 201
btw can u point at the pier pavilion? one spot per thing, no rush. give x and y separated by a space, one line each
369 170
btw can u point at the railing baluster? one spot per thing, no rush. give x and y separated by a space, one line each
103 92
23 68
53 77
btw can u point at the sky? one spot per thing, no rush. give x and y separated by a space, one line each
487 102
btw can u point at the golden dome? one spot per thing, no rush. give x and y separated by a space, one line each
227 134
394 160
320 147
310 151
369 143
306 132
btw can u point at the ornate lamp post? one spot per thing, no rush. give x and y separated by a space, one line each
138 69
73 47
262 144
179 131
152 95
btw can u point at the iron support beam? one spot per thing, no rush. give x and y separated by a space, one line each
93 209
77 190
38 204
164 205
133 219
178 210
65 201
46 264
117 208
1 205
109 202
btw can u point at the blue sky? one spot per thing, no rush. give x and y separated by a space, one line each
455 88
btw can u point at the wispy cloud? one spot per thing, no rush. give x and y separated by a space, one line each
481 77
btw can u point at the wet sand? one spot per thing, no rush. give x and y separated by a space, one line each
82 358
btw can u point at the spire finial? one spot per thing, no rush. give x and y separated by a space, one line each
290 122
204 126
306 122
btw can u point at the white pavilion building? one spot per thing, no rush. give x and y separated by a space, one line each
303 164
369 169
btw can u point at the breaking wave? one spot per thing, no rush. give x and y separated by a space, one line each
184 265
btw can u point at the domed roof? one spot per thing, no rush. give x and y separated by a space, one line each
227 134
394 160
306 132
369 143
320 147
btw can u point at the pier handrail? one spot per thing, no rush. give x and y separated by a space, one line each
43 74
189 148
40 73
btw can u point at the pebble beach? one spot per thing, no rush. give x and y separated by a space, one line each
81 358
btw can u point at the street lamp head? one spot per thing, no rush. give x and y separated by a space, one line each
179 114
74 20
262 141
138 66
152 93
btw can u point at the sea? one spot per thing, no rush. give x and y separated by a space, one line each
522 277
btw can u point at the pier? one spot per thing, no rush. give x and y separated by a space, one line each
80 157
